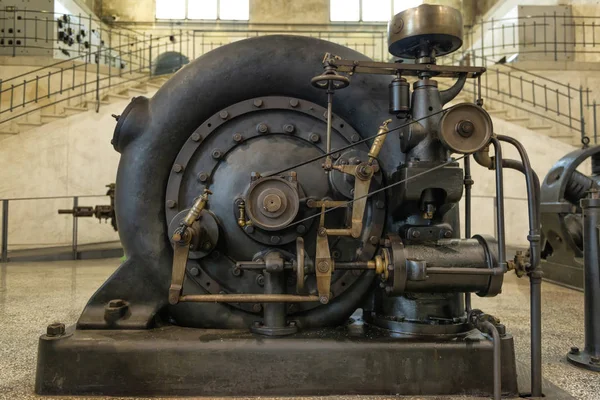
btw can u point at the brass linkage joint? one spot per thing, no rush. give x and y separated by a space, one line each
196 209
242 213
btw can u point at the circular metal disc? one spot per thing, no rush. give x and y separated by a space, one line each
454 135
427 30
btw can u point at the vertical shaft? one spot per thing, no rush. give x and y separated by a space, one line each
591 224
468 184
329 118
274 313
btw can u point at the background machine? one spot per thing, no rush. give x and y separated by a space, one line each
289 210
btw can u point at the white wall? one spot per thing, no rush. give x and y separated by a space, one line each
71 156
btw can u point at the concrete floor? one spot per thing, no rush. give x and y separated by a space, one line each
33 295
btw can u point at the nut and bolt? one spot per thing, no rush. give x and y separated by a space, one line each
216 153
314 137
237 137
258 103
177 168
448 234
254 176
289 128
374 240
594 360
594 193
257 308
300 229
379 204
117 303
465 128
196 137
55 329
223 114
260 280
249 229
202 176
294 102
275 239
262 128
574 350
322 231
236 271
335 254
171 203
324 299
415 234
355 138
195 271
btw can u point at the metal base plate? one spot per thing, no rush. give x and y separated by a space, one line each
562 274
583 359
198 362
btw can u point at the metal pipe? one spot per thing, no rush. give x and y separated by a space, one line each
465 271
500 204
468 184
535 274
492 330
247 298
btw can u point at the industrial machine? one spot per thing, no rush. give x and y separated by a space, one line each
289 209
570 212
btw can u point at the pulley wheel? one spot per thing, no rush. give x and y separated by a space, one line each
466 128
425 31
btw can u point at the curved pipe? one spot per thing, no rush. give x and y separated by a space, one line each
500 204
491 330
483 158
449 94
535 274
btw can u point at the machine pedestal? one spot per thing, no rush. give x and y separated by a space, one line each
563 274
179 361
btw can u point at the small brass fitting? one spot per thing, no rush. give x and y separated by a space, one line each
242 214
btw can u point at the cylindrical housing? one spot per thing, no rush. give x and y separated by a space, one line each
591 240
448 266
399 91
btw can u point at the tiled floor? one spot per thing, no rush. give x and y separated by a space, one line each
32 295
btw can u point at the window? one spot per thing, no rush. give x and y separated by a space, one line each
203 9
368 10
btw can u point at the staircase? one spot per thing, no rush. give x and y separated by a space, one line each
57 111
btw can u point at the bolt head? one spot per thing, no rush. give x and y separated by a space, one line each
262 128
216 154
236 271
323 266
314 137
301 229
275 239
116 303
237 137
258 103
249 229
574 350
374 240
202 176
260 280
196 137
289 128
324 299
415 234
55 329
294 102
223 114
177 168
257 308
195 271
594 360
379 204
355 138
171 203
448 234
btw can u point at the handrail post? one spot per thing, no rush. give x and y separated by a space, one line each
4 231
595 124
150 57
582 118
98 76
74 239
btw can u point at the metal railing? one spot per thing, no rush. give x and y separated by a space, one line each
81 77
74 242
